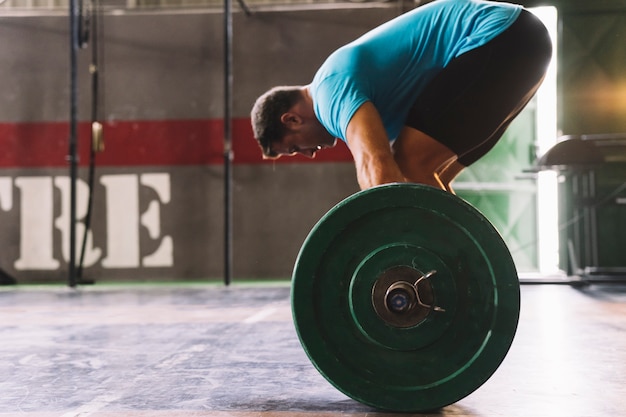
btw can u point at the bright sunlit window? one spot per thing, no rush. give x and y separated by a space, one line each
547 133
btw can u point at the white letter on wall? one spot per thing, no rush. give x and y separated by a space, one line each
6 194
63 221
122 192
36 214
151 219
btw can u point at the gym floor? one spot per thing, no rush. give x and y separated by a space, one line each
214 351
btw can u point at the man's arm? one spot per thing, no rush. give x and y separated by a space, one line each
369 144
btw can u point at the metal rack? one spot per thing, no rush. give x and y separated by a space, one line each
592 204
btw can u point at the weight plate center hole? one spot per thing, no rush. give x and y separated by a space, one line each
402 296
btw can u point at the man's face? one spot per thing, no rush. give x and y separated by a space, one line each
303 144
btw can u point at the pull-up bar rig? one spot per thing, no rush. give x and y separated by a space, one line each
78 37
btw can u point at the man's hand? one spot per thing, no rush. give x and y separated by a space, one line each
369 144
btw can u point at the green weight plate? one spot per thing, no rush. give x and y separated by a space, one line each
405 298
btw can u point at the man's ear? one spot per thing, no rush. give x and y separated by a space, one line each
290 119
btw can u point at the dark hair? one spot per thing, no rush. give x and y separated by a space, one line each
266 112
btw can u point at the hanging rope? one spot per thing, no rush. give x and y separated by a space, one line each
97 142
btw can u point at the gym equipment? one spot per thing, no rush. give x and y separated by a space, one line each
405 297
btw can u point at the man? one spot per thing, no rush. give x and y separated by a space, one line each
418 98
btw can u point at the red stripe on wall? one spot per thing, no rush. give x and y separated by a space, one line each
141 143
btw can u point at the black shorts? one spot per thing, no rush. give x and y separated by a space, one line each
472 101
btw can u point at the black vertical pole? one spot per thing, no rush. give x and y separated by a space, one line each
96 143
72 157
228 153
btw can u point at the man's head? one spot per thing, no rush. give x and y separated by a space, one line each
266 116
284 123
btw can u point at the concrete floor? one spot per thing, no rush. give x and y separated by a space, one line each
206 350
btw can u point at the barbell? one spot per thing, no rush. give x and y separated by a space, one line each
405 297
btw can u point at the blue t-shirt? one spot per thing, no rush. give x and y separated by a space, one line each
392 64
